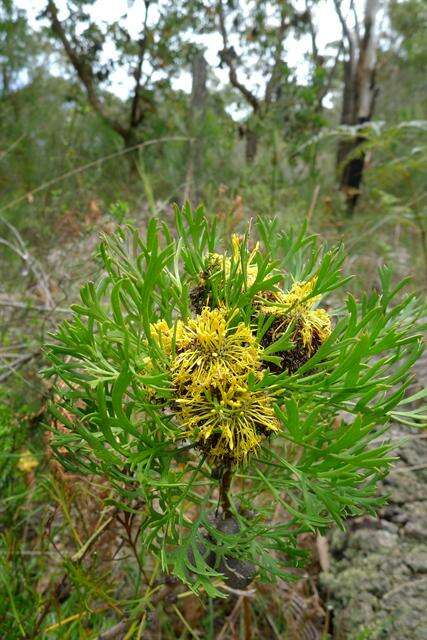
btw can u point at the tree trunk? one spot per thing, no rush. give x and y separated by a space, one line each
251 145
193 179
358 104
132 155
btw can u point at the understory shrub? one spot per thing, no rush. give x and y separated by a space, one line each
233 397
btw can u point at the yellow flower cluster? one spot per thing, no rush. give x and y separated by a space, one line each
27 462
312 325
166 336
217 261
212 356
209 351
210 365
229 420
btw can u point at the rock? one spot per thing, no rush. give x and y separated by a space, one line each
402 488
338 541
417 559
406 609
416 526
389 526
238 572
372 541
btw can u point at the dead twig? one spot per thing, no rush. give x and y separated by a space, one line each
116 631
20 249
231 618
33 307
323 553
19 362
247 593
313 203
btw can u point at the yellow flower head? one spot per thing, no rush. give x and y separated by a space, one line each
209 351
217 261
165 336
228 421
313 326
223 268
27 462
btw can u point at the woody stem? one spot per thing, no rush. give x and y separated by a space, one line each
224 487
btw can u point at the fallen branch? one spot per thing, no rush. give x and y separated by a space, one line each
19 362
33 307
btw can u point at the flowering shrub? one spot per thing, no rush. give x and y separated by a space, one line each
231 399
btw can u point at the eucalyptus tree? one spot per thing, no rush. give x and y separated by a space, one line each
150 54
253 36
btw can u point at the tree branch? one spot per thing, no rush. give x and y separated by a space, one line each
356 21
312 30
367 64
10 369
137 114
275 73
83 70
228 55
346 31
327 85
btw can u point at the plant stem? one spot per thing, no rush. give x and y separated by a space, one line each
224 487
